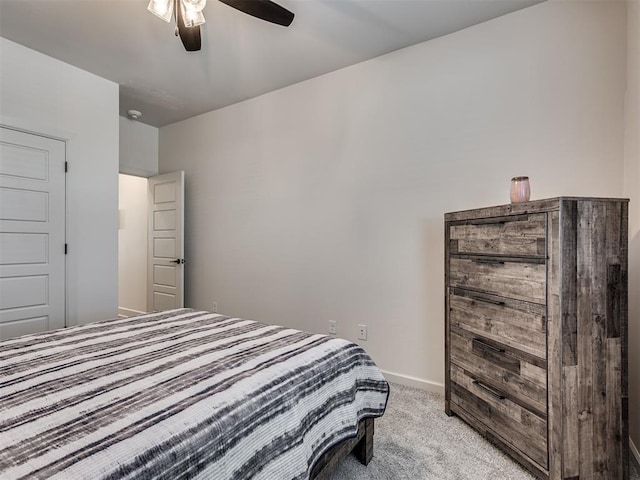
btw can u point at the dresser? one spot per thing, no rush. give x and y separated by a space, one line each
536 332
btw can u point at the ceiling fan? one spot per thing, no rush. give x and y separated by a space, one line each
189 17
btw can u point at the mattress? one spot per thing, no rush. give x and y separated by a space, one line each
179 394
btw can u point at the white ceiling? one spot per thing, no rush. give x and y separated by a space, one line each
241 57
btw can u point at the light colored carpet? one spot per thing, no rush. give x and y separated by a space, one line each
416 440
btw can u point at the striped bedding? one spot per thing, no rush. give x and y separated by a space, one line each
179 394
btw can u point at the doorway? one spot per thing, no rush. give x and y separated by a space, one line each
132 245
150 243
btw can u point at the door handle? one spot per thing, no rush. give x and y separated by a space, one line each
178 261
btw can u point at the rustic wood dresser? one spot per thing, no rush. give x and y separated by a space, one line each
536 332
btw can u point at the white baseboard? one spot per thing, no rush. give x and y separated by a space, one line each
127 312
635 455
414 382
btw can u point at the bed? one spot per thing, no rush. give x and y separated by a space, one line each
184 394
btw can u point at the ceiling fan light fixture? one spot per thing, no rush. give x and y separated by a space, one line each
162 9
188 16
192 17
194 5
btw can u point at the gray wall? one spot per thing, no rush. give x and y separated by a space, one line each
41 94
325 200
632 191
138 148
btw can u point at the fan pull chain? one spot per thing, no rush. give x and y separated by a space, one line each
175 6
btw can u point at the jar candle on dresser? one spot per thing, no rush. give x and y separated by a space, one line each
520 189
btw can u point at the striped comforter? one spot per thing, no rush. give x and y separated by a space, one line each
179 394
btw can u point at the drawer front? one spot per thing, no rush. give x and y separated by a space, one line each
519 235
518 324
514 424
521 376
508 277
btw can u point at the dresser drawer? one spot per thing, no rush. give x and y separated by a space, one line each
518 324
521 376
522 279
514 424
518 235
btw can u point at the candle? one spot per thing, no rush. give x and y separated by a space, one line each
520 190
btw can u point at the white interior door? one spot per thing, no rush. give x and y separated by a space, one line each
166 242
32 233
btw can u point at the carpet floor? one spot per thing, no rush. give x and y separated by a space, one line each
416 440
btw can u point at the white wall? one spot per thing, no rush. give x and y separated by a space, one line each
325 200
132 245
138 148
632 190
39 93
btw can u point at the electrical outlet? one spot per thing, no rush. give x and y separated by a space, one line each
362 332
214 307
333 327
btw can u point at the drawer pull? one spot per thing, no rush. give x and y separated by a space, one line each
496 220
490 391
489 300
486 345
492 261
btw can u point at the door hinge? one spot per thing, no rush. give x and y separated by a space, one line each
66 248
66 167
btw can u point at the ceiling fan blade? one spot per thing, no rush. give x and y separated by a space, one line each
264 10
190 36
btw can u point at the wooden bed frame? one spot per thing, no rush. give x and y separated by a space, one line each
361 445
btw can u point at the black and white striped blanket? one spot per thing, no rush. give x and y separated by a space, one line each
179 394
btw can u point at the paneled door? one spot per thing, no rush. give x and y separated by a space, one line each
32 233
166 242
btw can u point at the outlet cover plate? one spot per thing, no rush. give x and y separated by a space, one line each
333 327
362 332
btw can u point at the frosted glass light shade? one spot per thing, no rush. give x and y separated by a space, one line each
162 9
192 18
194 5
